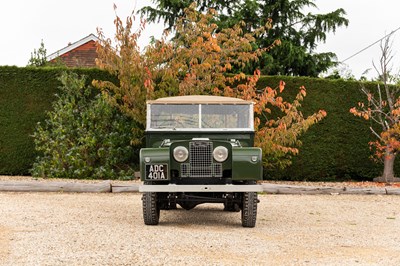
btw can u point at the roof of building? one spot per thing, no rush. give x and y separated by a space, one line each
70 47
199 99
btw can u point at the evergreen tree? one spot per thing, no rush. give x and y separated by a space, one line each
299 33
38 57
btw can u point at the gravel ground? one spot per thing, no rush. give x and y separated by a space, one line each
107 229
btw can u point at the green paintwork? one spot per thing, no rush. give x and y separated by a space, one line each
154 138
239 159
225 165
243 167
157 156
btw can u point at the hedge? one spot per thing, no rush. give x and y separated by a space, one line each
25 95
337 147
334 149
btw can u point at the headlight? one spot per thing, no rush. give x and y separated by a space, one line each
220 154
181 154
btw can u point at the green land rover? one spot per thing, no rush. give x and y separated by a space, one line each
199 149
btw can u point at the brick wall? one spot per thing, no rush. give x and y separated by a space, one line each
82 56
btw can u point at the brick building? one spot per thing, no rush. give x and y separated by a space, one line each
78 54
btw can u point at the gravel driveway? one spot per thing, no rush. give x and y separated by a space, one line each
107 229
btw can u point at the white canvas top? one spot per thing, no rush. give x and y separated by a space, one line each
199 99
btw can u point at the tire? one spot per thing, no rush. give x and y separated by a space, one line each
151 210
249 209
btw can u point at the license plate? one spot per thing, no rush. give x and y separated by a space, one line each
156 172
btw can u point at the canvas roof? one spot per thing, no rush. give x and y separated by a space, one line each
199 99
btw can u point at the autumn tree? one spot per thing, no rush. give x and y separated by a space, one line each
124 60
199 60
299 32
383 108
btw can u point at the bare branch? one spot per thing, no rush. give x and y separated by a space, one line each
374 132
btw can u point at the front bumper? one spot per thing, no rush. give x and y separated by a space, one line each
200 188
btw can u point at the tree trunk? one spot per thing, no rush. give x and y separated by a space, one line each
388 172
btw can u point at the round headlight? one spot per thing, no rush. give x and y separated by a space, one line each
220 154
181 154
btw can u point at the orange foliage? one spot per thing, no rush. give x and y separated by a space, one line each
125 61
199 60
387 116
389 142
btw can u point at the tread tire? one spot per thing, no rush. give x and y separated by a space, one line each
151 210
249 209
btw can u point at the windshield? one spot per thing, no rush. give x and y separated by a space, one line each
200 116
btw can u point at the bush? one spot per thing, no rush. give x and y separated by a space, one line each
83 137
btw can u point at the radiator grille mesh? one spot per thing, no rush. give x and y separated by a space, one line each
201 161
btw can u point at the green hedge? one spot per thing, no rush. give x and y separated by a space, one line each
337 147
25 95
334 149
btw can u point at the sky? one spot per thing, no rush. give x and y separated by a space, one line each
24 24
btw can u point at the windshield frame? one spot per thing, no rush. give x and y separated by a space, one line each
200 128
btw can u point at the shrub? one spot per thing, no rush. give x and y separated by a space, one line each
83 137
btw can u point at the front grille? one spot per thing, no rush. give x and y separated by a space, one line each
201 161
200 154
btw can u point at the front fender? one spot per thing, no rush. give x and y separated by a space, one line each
247 163
153 156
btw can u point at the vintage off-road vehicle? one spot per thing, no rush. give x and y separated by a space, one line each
199 149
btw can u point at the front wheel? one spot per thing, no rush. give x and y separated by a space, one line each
249 209
151 209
